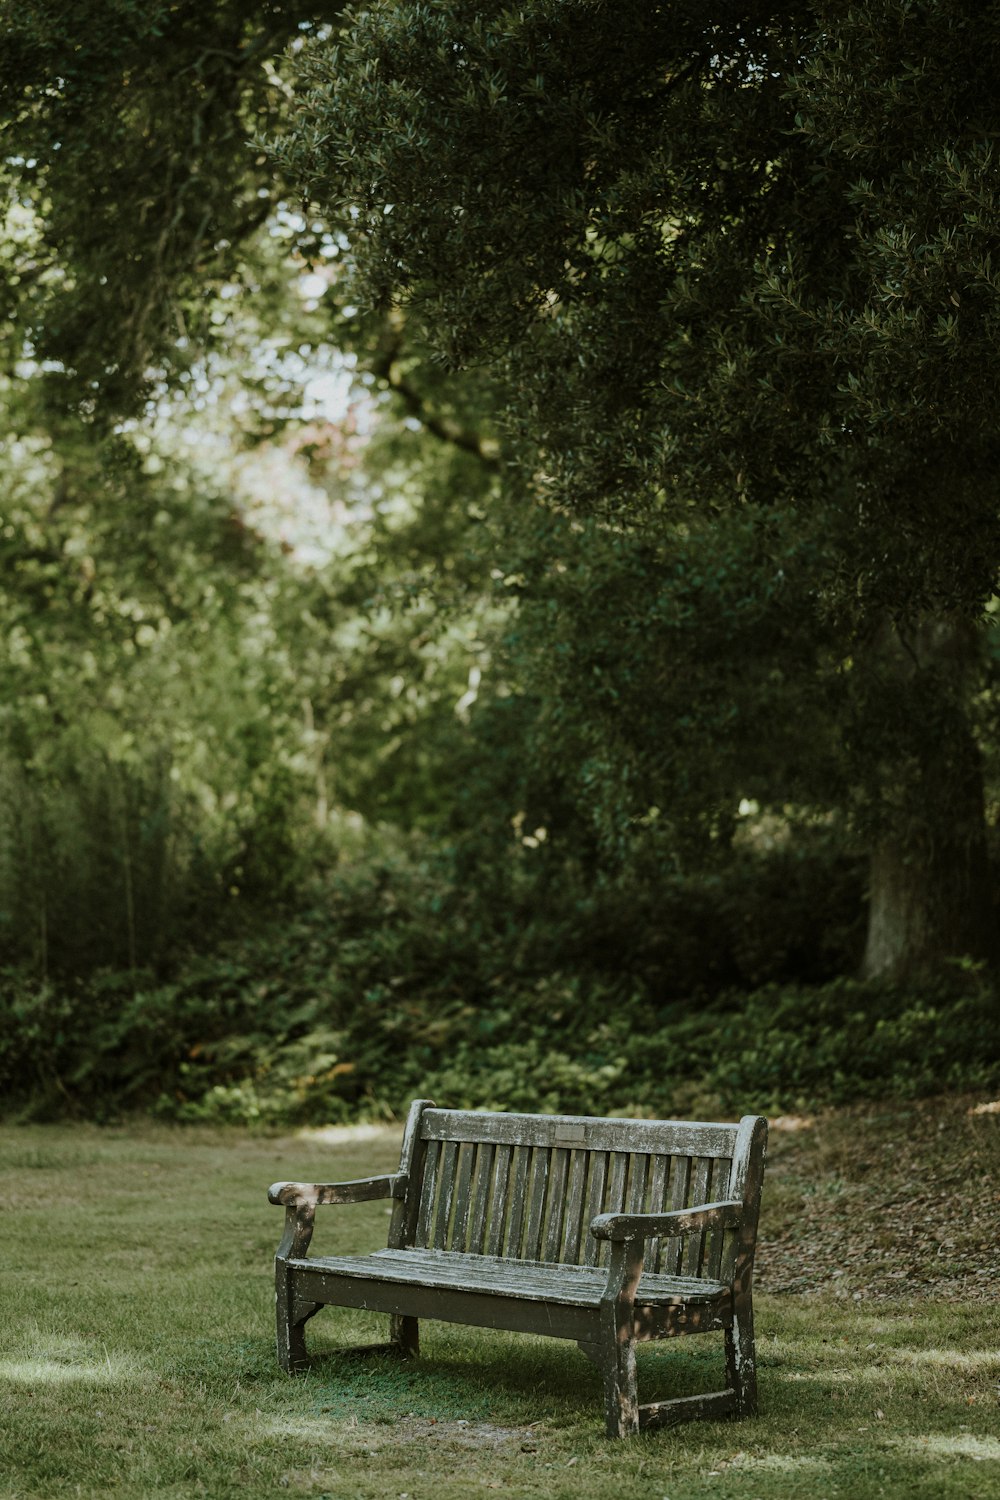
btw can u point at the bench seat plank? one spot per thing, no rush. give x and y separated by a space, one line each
533 1281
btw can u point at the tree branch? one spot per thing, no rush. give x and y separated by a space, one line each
386 366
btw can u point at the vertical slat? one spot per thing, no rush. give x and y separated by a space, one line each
558 1171
574 1209
463 1194
536 1201
680 1177
403 1221
498 1217
701 1168
615 1201
432 1163
714 1238
518 1199
638 1178
481 1201
446 1193
595 1203
657 1190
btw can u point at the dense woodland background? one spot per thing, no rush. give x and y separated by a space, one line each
498 549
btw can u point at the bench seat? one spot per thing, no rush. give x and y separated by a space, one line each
531 1281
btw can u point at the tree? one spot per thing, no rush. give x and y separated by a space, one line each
126 129
724 262
186 688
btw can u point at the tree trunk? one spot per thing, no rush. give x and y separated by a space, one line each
924 910
929 895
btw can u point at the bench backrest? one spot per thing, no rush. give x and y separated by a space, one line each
527 1186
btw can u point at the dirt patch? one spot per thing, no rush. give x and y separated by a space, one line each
898 1201
464 1434
371 1436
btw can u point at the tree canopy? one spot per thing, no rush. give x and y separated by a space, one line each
724 260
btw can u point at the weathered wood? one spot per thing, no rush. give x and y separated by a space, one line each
503 1221
621 1400
573 1230
293 1311
714 1237
698 1193
710 1407
403 1223
428 1193
747 1180
483 1307
579 1286
404 1335
680 1221
558 1172
446 1193
363 1190
615 1201
463 1198
596 1134
680 1178
299 1221
484 1191
595 1204
538 1186
518 1200
741 1359
498 1214
657 1193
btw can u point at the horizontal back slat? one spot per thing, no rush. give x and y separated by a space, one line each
687 1137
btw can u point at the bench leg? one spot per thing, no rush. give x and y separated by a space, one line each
621 1396
291 1317
404 1335
741 1359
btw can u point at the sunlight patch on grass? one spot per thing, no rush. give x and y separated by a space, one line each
340 1135
299 1429
59 1360
47 1371
951 1359
790 1463
953 1445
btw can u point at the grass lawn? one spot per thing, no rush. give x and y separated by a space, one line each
136 1343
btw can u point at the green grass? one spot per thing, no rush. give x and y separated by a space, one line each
136 1359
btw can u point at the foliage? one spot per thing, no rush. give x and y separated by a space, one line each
126 128
761 243
721 264
391 984
207 688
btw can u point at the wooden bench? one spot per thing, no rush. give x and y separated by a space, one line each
600 1230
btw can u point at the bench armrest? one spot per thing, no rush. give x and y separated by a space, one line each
362 1190
725 1215
301 1199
